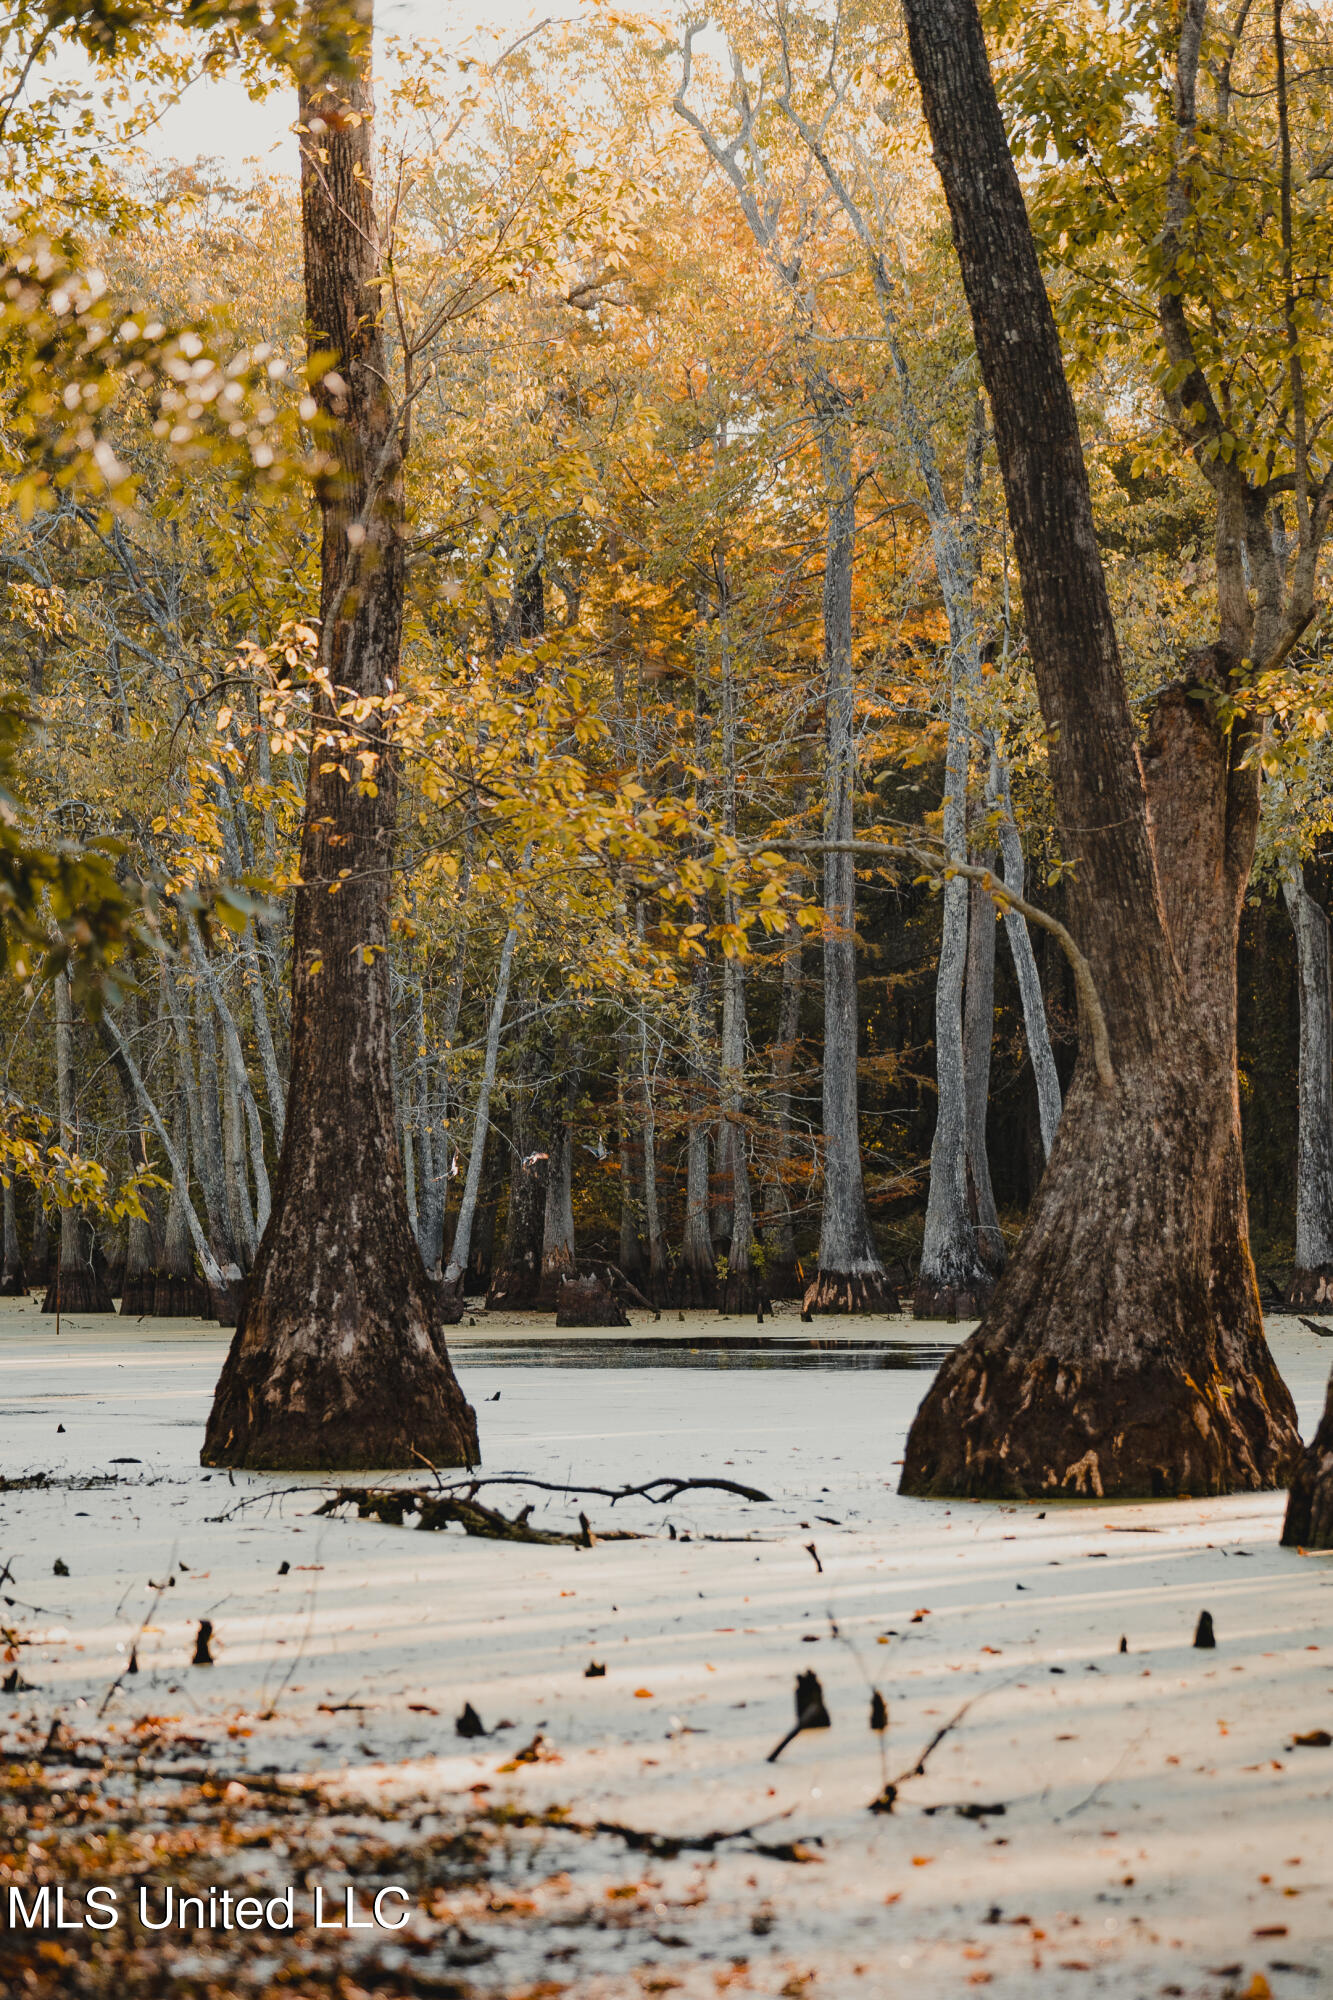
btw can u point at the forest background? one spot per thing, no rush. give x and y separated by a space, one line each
686 349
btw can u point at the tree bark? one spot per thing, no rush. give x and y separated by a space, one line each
339 1357
850 1277
1123 1352
1311 1287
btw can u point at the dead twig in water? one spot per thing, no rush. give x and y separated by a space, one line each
884 1803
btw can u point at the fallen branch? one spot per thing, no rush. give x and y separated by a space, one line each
441 1509
658 1491
662 1846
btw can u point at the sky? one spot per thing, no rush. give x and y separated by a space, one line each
217 120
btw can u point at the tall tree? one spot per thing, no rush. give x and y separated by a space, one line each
1123 1351
339 1356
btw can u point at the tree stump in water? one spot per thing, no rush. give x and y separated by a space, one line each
1309 1521
587 1302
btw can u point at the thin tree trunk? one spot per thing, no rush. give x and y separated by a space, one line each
978 1034
178 1291
456 1269
13 1278
1312 1280
207 1164
630 1248
41 1242
339 1358
652 1215
78 1286
695 1282
214 1276
1025 968
516 1279
952 1279
558 1256
1122 1353
851 1277
780 1236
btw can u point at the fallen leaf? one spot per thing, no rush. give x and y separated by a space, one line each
1313 1739
643 1694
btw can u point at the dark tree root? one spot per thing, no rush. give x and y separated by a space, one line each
1311 1291
78 1291
13 1283
850 1292
999 1424
951 1302
1309 1519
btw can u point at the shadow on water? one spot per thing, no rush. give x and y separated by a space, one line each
718 1350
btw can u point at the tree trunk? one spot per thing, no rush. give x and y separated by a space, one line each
13 1278
1025 969
77 1287
1309 1517
1311 1287
953 1281
41 1242
695 1278
851 1277
461 1248
179 1292
516 1279
339 1358
652 1214
978 1034
1122 1353
630 1249
780 1235
558 1258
